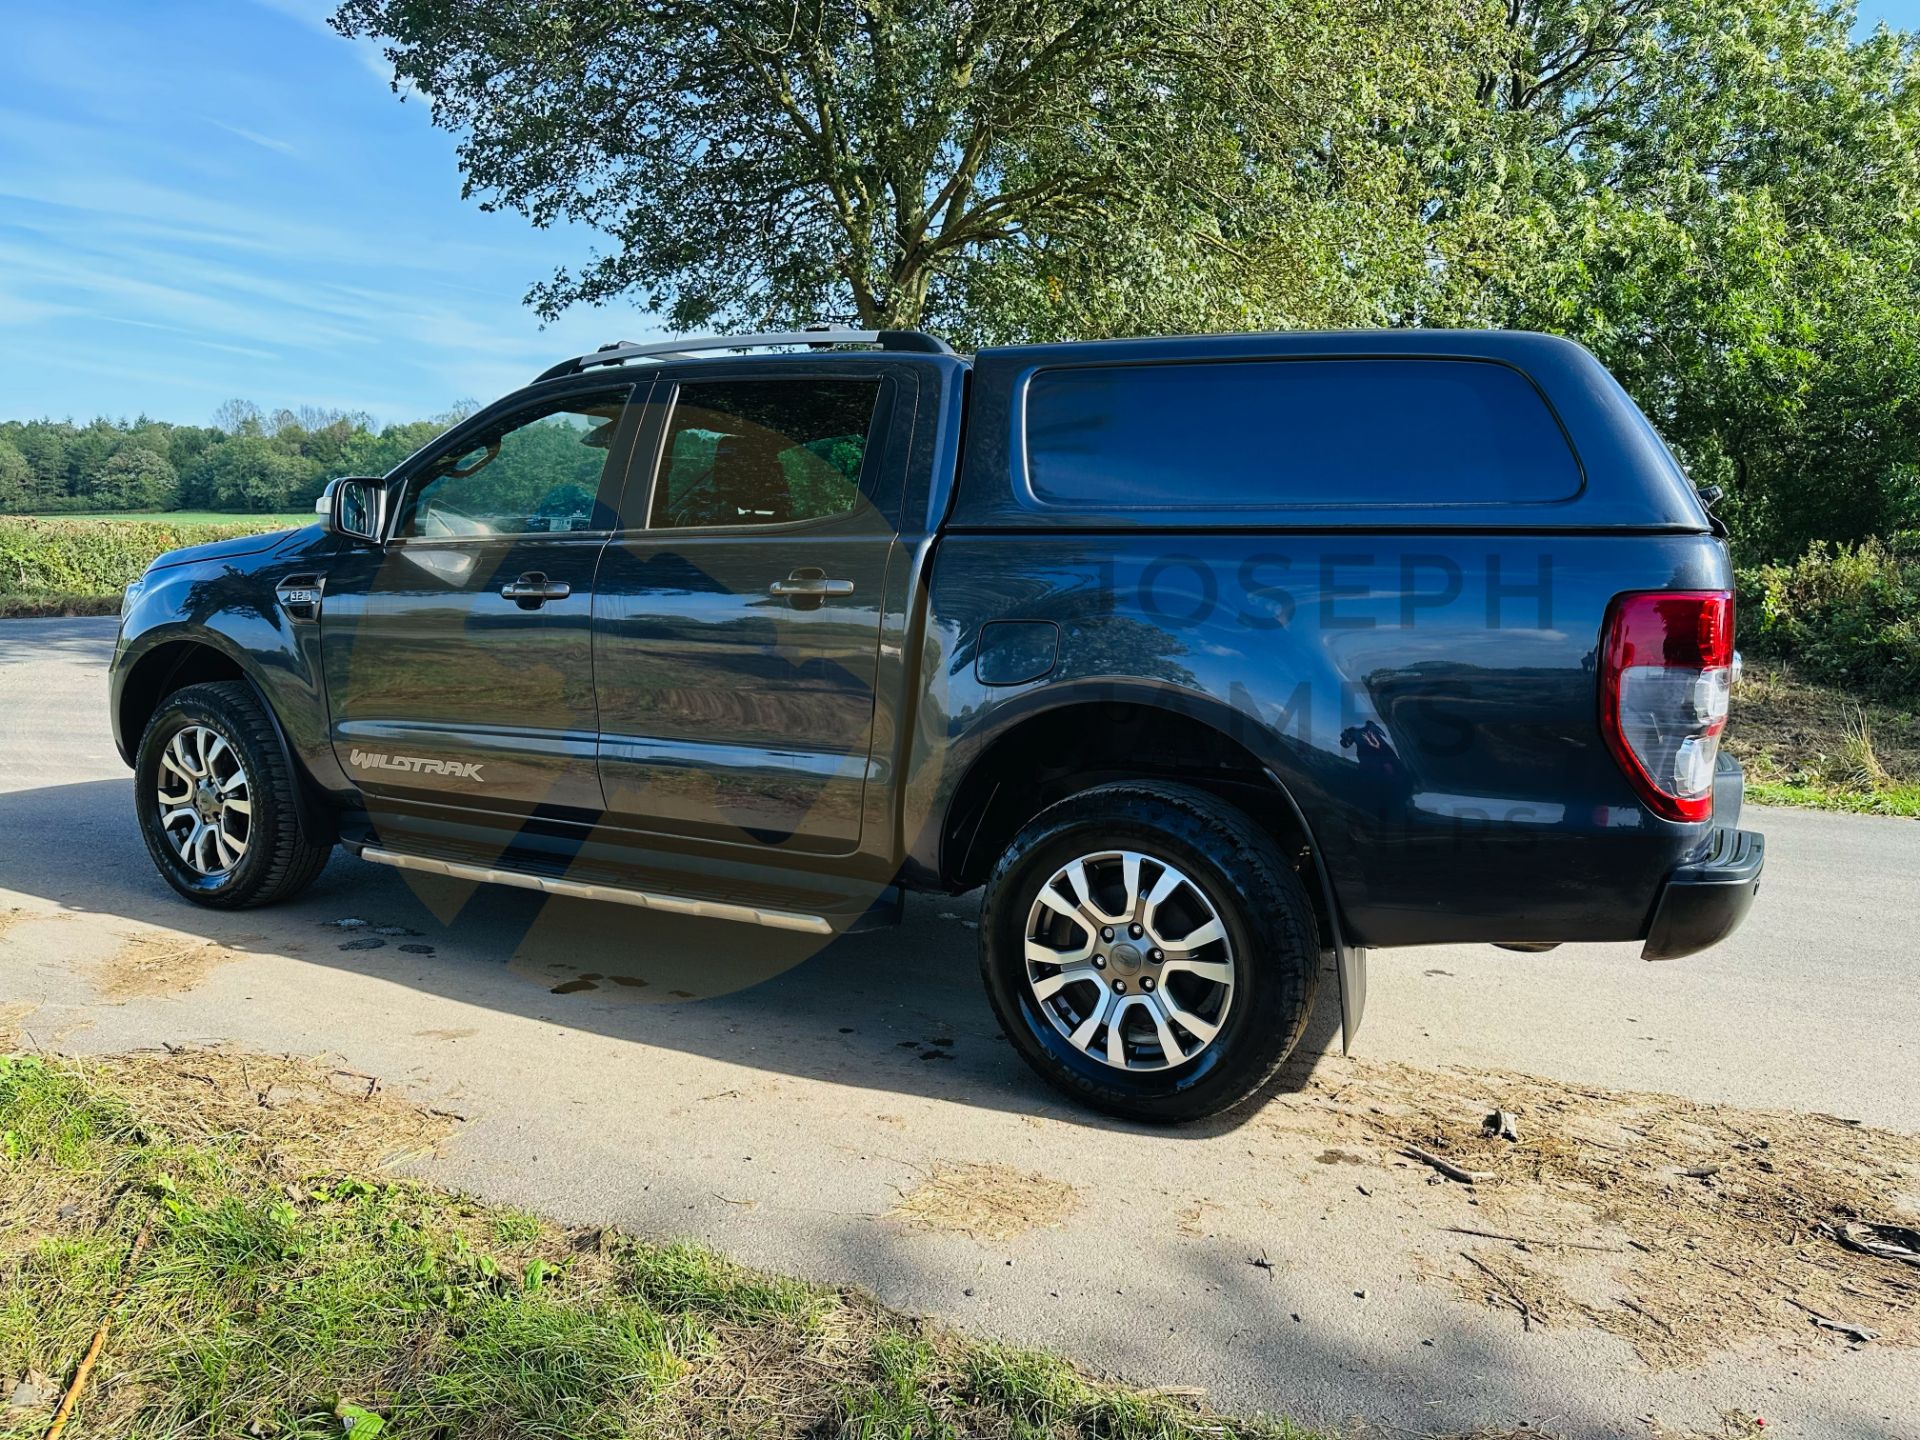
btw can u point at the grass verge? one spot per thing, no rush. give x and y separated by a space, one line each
283 1282
1814 746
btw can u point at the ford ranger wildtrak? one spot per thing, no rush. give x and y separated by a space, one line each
1215 661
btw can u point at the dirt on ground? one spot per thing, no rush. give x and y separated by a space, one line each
1685 1229
988 1202
1783 728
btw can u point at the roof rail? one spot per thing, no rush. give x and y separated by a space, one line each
817 337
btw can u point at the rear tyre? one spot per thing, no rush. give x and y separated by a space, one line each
217 801
1148 950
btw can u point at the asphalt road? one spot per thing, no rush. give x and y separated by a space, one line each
776 1104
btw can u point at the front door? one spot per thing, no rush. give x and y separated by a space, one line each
737 624
459 658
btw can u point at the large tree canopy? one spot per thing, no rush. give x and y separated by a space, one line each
765 161
1722 199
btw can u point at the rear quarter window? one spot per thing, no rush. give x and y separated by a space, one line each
1259 434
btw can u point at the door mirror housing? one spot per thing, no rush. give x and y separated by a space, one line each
355 506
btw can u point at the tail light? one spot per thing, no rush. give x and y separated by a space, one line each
1666 669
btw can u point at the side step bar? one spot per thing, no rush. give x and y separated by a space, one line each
579 890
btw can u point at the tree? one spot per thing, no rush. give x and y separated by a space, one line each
145 464
239 417
16 479
44 447
366 453
770 161
133 478
87 452
1722 199
248 473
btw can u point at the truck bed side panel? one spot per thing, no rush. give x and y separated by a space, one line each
1430 702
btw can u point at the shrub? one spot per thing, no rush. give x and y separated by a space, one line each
1844 615
68 559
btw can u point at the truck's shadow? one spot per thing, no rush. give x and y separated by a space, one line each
896 1010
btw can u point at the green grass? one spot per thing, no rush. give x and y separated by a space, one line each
183 517
1901 800
1819 748
269 1295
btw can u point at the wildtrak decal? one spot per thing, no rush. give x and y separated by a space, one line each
416 764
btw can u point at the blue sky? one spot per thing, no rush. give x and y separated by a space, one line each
209 198
1900 14
204 199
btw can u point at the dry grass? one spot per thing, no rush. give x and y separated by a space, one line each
988 1202
289 1117
293 1114
1862 762
1782 724
161 962
1810 744
12 1014
1685 1229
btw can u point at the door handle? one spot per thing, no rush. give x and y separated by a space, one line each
809 584
533 589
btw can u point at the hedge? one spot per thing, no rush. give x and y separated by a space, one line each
59 561
1847 616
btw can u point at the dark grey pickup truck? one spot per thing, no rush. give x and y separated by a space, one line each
1215 660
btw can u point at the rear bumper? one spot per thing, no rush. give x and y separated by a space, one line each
1705 900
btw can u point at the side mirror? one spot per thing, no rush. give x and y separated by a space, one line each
355 507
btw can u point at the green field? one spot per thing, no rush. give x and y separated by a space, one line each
183 517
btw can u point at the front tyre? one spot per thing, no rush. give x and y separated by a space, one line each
1148 950
216 801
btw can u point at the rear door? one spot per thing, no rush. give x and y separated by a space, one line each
738 617
459 658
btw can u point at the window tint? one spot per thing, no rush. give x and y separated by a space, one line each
1294 432
764 452
538 471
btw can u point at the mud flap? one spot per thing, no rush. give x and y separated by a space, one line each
1352 963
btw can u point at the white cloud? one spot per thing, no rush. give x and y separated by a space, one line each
265 142
141 250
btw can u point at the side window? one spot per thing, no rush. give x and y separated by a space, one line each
1274 433
763 452
537 471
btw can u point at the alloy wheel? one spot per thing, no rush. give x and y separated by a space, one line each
1129 959
205 800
